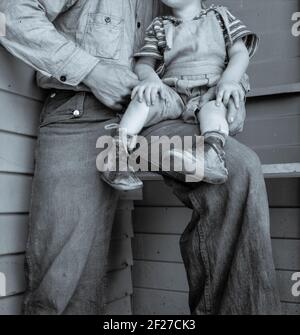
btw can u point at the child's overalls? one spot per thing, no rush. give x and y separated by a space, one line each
195 59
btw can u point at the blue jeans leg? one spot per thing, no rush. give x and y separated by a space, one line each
226 247
71 219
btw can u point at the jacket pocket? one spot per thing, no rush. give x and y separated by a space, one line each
103 35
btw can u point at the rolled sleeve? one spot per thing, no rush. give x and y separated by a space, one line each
76 67
238 30
32 37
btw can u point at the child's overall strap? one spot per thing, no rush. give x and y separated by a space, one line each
222 11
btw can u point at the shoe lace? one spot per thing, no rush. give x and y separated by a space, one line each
221 154
112 126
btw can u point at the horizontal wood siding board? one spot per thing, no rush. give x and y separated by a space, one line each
161 220
122 306
272 155
117 294
284 38
172 277
285 223
272 131
160 275
158 194
18 114
11 305
282 193
14 228
11 70
120 258
15 191
271 72
290 309
285 284
16 153
288 170
120 255
161 302
13 233
173 220
289 89
268 107
165 248
286 254
122 227
119 285
158 302
12 266
13 269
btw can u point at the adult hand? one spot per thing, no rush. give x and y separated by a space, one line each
229 90
112 84
236 116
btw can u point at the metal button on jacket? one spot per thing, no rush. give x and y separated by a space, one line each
76 113
108 19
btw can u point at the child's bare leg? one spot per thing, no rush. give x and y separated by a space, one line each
215 129
135 117
213 121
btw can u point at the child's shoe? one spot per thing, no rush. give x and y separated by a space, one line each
124 180
215 171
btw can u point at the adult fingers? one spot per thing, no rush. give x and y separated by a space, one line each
147 95
154 93
232 112
236 99
220 96
226 97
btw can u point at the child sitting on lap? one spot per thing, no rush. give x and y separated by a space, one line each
185 58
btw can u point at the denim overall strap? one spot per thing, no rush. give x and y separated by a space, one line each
204 37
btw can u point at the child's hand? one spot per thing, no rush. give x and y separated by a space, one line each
148 90
227 90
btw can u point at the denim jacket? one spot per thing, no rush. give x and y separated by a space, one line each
65 39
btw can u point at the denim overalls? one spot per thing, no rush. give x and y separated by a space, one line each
195 58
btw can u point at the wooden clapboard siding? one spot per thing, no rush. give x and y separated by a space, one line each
11 70
121 306
277 60
11 305
272 128
159 302
158 272
21 103
16 153
19 115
